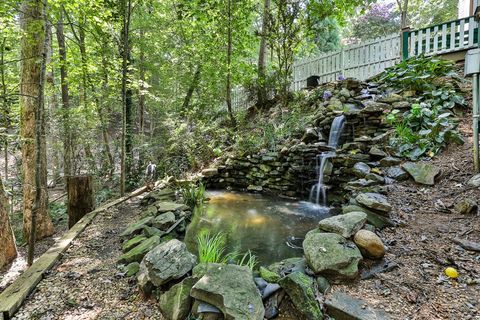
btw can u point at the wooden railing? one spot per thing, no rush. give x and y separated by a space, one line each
451 36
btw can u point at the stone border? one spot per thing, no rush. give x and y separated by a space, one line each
13 296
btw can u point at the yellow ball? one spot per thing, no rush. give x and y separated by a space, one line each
451 272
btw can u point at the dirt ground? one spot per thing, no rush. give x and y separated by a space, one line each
85 283
422 246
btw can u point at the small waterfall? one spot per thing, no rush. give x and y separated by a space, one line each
318 193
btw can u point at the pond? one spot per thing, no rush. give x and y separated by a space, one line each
272 228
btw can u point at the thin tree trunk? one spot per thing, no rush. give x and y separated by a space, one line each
191 88
67 136
229 64
31 101
5 110
262 91
141 93
104 123
8 249
126 93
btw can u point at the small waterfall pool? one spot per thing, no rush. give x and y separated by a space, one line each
268 226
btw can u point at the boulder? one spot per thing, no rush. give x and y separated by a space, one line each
167 261
331 254
361 169
396 173
176 303
374 201
369 244
231 289
164 221
344 307
136 227
300 289
466 206
138 252
474 181
422 172
345 225
390 161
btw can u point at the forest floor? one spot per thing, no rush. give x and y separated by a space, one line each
422 247
86 283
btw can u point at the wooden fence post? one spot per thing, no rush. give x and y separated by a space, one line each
80 198
404 43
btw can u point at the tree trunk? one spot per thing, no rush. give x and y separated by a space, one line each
126 93
31 98
191 88
8 250
141 93
67 136
5 109
262 91
80 198
229 64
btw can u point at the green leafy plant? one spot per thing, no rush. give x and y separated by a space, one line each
249 260
194 195
211 248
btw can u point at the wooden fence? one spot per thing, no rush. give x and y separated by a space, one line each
359 61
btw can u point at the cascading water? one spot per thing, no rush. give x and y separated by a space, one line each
318 193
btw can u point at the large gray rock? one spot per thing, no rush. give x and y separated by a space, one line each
422 172
390 161
170 206
374 201
176 303
164 221
361 169
345 225
331 254
231 289
396 173
344 307
300 289
167 261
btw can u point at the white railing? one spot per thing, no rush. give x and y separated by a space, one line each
360 61
447 37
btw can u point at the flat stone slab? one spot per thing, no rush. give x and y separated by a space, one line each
345 225
344 307
374 201
170 206
231 289
373 218
300 289
422 172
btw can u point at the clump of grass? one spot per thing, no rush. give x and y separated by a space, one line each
194 195
211 248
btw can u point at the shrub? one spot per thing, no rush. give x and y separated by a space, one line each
193 195
211 247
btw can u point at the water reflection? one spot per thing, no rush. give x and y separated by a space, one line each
261 224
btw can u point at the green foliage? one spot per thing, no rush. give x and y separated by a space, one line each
211 248
58 211
417 73
430 123
249 260
194 195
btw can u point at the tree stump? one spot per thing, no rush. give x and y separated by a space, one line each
80 198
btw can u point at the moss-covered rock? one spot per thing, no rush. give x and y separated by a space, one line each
300 289
176 303
269 276
129 244
139 251
132 269
136 227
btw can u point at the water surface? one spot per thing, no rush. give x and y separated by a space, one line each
265 225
